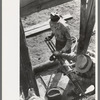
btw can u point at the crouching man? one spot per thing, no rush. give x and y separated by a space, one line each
83 72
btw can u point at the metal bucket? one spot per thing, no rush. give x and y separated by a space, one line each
54 93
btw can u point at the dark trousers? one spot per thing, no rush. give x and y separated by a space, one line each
60 45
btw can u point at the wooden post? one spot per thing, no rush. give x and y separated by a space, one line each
90 22
27 77
82 25
87 20
86 25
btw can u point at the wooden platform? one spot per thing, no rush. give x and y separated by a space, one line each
33 30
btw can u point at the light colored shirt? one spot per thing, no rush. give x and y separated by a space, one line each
61 32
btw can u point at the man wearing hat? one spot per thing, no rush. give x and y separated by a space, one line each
83 72
61 32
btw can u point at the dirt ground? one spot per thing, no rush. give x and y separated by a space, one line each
38 50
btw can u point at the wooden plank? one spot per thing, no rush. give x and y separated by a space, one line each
39 5
65 17
27 77
56 79
42 67
38 30
33 30
36 26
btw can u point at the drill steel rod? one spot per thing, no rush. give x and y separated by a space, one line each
52 45
75 83
49 46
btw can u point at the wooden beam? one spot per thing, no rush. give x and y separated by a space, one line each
33 30
82 26
86 26
38 5
90 22
42 67
23 3
27 78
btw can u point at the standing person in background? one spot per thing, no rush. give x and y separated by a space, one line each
61 32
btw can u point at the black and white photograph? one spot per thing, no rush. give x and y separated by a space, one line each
57 50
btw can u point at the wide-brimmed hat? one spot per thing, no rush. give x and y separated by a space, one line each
54 17
83 63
